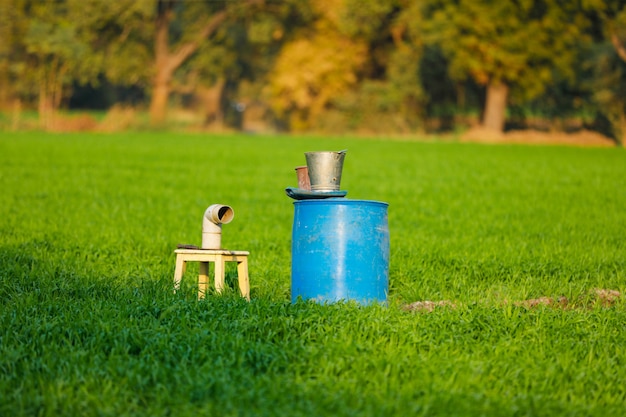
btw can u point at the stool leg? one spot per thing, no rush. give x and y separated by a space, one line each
178 272
242 275
219 273
203 280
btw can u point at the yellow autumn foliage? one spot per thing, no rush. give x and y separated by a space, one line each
313 69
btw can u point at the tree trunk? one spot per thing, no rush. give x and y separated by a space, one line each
621 123
163 76
158 102
166 61
495 107
211 99
17 113
619 47
45 105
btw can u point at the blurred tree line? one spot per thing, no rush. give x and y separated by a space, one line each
369 65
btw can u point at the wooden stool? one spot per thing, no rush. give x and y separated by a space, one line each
219 257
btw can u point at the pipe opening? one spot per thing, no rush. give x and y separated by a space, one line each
225 214
219 213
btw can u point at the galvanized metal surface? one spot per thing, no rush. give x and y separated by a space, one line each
325 169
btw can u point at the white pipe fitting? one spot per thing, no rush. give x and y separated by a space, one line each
214 217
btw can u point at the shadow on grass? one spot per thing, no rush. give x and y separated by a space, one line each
75 343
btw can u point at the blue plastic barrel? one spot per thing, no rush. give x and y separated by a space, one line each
340 251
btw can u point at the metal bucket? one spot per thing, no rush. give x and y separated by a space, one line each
325 169
340 251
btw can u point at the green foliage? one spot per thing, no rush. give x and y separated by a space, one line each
50 49
510 42
89 324
376 107
609 88
317 60
55 45
604 63
126 37
368 19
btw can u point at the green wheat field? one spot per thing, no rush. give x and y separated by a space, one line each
521 249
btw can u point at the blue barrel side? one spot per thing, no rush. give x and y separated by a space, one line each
340 251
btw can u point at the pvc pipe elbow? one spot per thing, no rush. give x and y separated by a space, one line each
214 217
219 213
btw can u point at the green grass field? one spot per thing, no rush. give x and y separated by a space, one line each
89 324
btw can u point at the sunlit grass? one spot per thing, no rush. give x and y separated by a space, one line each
89 324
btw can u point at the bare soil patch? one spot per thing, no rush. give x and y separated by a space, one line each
535 137
62 123
597 297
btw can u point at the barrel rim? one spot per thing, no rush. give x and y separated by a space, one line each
340 200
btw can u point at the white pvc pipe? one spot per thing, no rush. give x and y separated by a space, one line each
214 217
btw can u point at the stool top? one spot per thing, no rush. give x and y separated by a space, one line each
212 252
